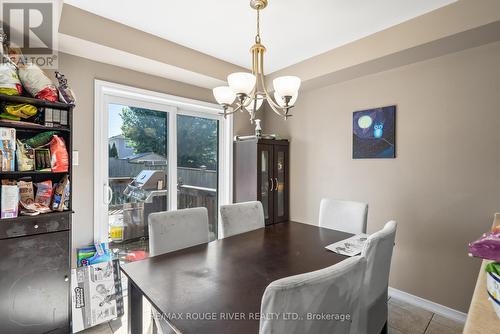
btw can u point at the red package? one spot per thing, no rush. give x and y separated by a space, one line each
44 193
59 160
48 94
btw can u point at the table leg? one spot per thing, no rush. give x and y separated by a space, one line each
134 309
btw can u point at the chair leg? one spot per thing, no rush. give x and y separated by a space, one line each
384 330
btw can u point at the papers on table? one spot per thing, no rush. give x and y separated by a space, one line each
349 247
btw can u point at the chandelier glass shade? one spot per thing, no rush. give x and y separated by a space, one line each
247 91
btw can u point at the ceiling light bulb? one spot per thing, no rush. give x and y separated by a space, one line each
259 103
281 100
241 82
224 95
287 85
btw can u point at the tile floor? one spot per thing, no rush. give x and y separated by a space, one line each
403 319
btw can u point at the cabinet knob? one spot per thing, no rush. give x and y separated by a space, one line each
36 226
66 278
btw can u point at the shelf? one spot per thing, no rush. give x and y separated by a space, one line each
29 126
42 215
31 173
36 102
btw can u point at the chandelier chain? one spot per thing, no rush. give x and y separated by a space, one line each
257 37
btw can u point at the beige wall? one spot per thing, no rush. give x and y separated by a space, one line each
81 74
444 186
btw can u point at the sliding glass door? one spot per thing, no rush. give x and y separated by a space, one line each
197 166
152 155
137 171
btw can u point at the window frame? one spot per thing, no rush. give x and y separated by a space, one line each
108 92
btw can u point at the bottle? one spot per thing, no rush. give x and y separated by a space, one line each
258 129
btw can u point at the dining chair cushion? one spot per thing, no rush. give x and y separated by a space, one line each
378 253
173 230
241 217
333 291
345 216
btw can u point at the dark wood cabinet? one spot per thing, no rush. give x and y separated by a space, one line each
36 250
34 283
261 172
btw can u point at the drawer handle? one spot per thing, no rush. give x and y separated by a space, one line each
66 278
36 226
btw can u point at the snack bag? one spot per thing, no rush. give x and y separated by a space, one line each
40 139
44 193
66 94
25 157
23 110
67 190
37 83
59 194
59 160
10 200
7 149
26 194
9 80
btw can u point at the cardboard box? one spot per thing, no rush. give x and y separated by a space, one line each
96 294
9 202
7 149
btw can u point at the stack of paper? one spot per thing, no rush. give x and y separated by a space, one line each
349 247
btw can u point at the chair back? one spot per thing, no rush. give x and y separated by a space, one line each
173 230
241 217
378 253
345 216
330 291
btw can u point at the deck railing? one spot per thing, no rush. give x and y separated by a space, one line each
188 196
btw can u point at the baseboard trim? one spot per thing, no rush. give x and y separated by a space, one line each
428 305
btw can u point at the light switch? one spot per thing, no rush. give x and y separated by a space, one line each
75 158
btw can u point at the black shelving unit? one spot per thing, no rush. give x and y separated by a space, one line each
35 261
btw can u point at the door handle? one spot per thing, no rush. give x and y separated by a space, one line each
272 184
276 185
108 194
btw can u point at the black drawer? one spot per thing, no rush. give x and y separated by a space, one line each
23 226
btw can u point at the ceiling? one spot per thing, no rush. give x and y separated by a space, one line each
292 30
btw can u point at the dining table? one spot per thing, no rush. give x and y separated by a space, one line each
217 287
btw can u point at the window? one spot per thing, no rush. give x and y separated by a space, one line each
155 152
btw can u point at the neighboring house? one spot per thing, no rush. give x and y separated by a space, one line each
130 166
122 146
147 158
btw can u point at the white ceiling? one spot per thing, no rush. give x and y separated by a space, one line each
291 30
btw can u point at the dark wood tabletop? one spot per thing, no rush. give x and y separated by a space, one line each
201 287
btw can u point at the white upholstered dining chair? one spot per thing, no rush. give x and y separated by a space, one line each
170 231
241 217
345 216
173 230
378 253
332 290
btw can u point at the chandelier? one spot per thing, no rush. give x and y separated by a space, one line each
247 91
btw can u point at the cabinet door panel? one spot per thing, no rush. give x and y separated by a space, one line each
34 284
281 183
265 182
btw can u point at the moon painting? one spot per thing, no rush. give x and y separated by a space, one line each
374 133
